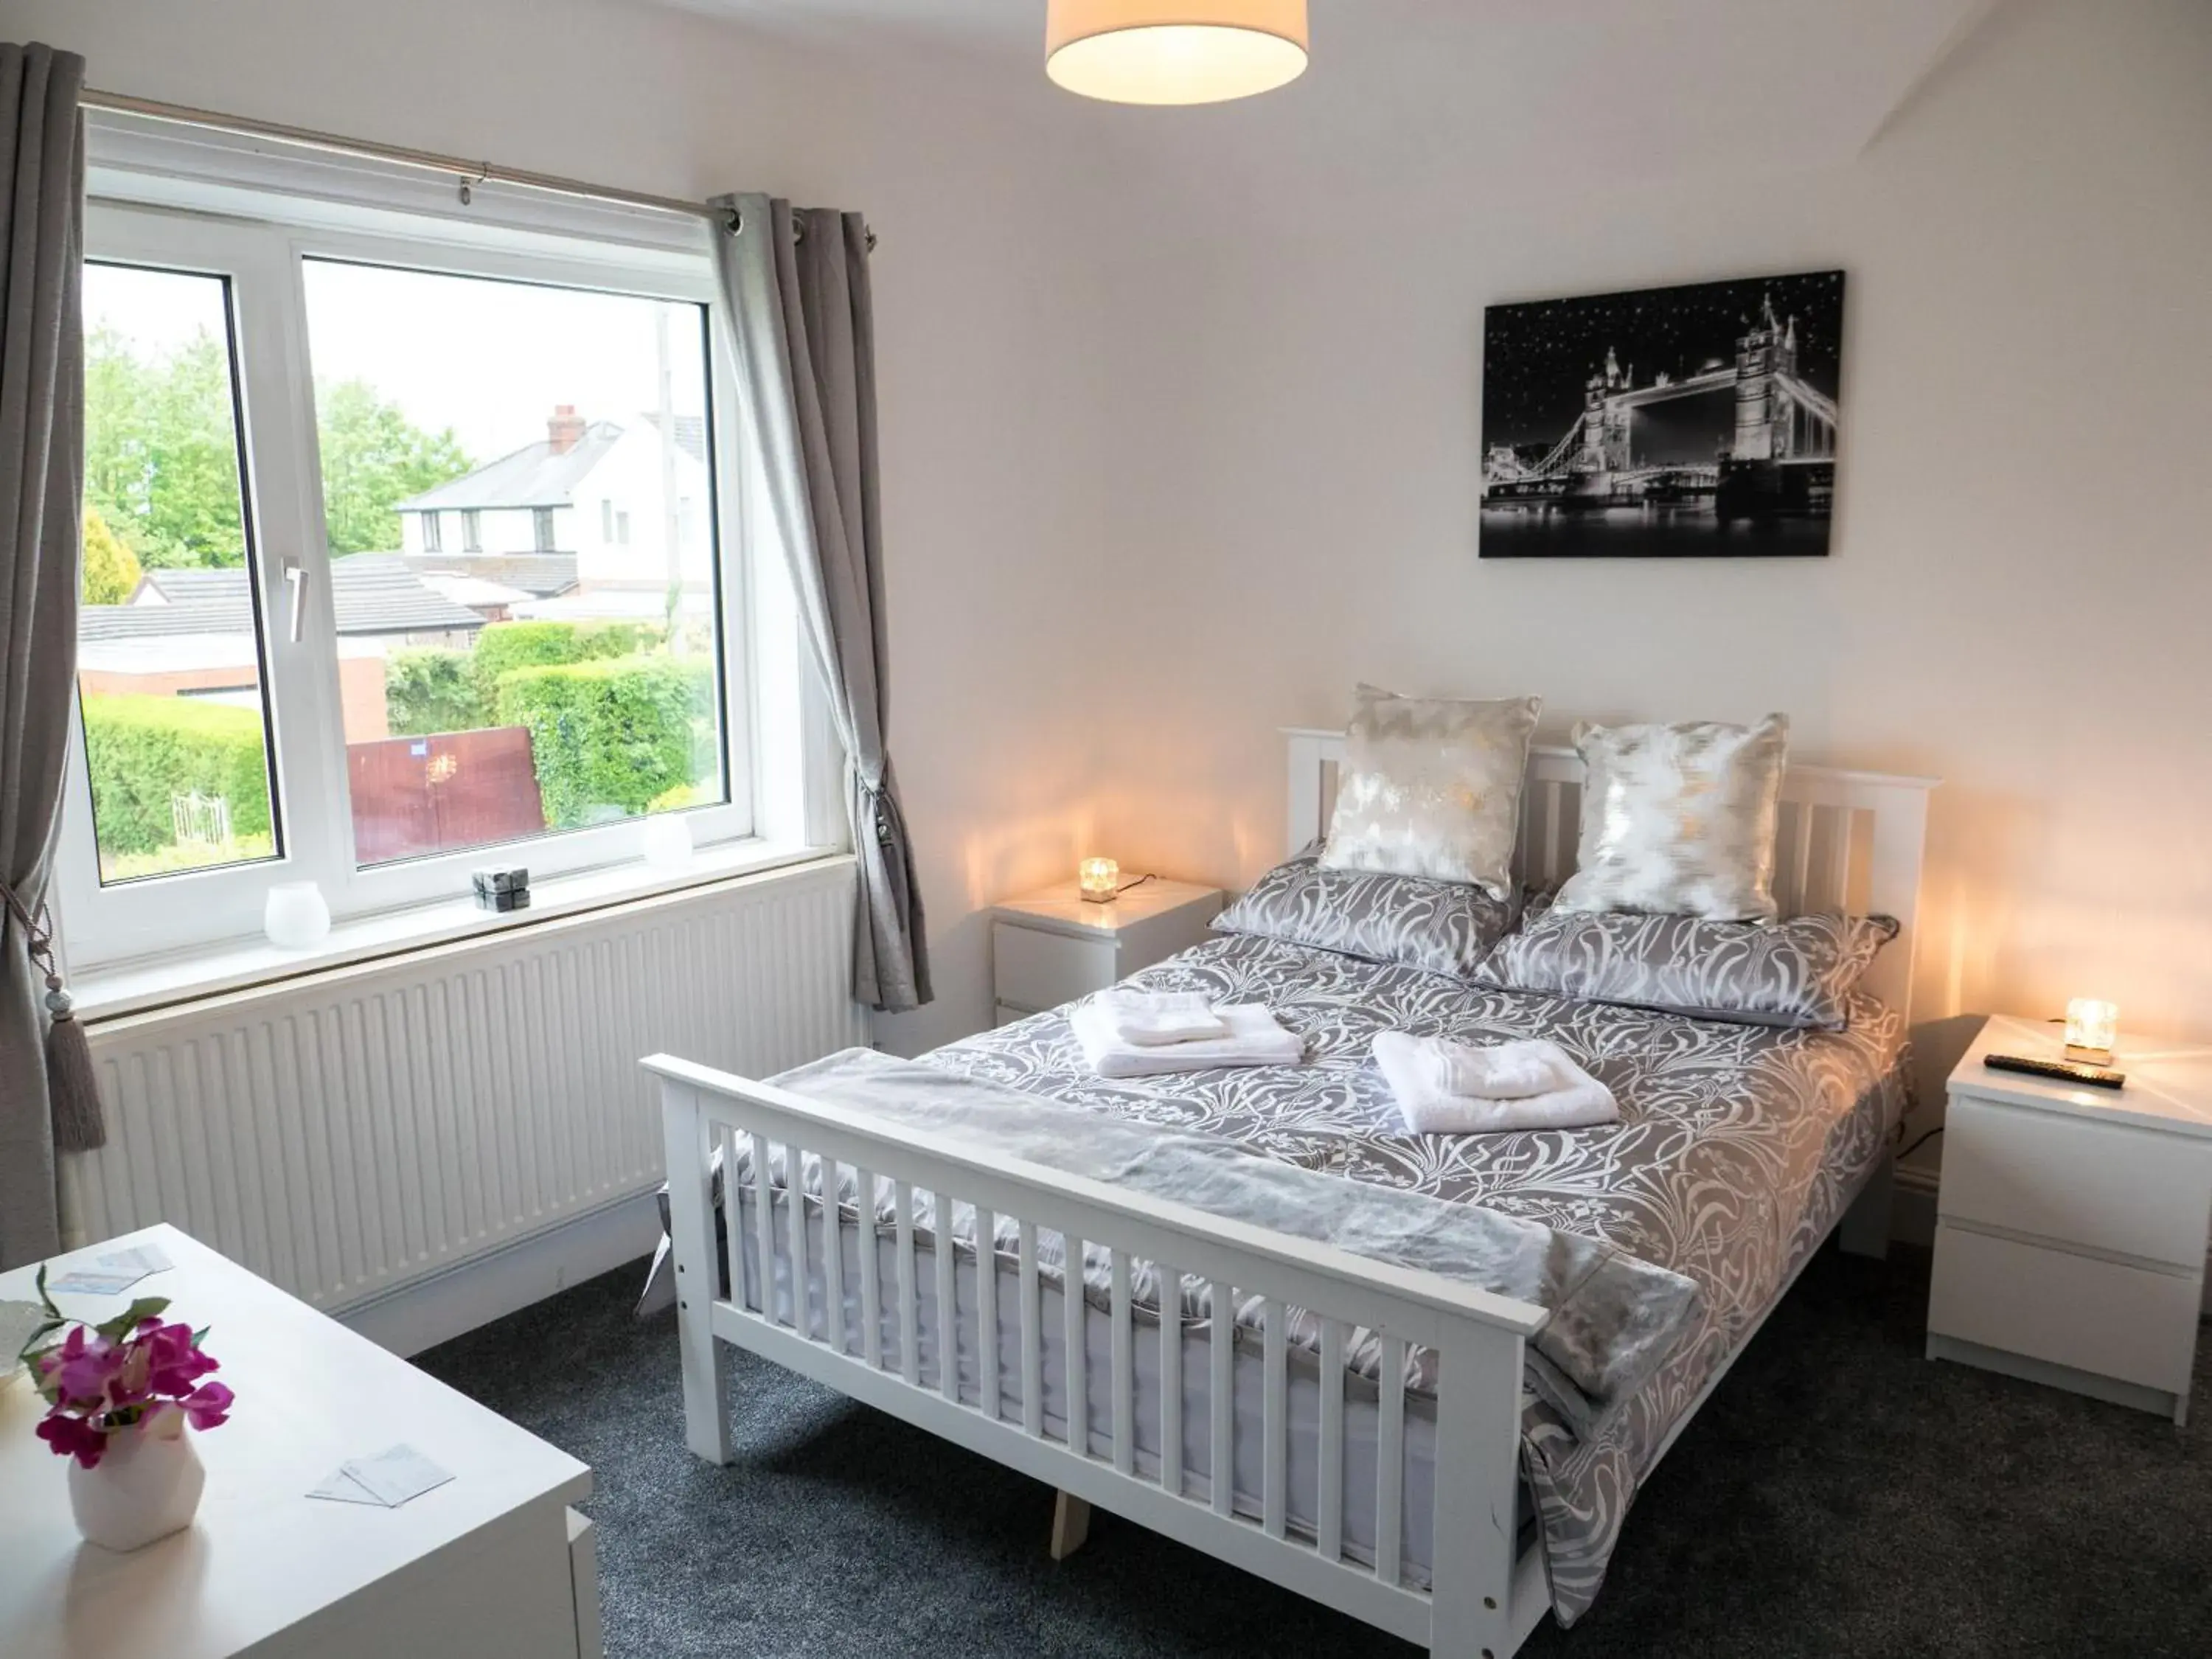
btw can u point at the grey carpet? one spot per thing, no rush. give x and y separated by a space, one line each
1839 1495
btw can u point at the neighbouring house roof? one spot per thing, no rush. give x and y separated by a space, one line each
371 592
690 434
536 475
616 604
218 645
540 574
477 592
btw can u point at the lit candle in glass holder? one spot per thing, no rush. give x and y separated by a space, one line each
1100 879
2092 1028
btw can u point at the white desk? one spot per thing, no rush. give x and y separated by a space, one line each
481 1567
2070 1238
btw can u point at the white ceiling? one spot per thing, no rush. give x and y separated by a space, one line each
1574 90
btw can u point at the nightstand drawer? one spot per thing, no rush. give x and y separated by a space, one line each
2101 1316
1037 969
2105 1187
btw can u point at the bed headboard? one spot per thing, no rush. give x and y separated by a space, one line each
1846 840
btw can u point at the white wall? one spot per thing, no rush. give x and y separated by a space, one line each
2020 582
627 480
1175 455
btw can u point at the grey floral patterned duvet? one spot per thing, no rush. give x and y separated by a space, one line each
1737 1147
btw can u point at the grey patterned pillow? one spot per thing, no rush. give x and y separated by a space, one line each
1798 973
1680 820
1431 787
1442 927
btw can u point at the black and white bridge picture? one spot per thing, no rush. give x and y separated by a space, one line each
1670 422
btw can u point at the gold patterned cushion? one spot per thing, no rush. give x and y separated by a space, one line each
1679 820
1430 786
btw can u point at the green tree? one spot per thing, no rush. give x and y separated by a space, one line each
373 456
161 450
161 454
111 571
429 689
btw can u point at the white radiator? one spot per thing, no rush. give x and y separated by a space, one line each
350 1131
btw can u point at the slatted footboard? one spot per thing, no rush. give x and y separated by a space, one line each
1489 1592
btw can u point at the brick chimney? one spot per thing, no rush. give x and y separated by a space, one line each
566 429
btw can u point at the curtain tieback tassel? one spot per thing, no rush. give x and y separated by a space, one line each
72 1084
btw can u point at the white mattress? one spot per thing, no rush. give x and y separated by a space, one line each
1247 1373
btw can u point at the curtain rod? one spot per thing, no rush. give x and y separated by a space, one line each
469 173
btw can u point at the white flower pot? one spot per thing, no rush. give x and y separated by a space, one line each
146 1486
296 915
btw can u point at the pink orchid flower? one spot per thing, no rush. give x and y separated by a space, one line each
124 1376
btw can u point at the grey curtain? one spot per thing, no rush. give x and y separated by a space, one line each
42 481
797 284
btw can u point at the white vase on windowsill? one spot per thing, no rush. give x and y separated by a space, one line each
146 1486
296 915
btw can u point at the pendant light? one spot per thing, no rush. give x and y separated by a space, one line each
1174 51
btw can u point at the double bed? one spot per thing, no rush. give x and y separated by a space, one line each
1393 1450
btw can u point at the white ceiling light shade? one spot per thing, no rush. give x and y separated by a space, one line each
1174 51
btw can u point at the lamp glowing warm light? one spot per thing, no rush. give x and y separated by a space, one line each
2092 1029
1100 879
1174 51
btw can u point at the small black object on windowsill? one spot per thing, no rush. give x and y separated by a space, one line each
501 889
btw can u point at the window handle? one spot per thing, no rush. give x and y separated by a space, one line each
295 578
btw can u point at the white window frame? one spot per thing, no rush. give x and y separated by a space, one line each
262 252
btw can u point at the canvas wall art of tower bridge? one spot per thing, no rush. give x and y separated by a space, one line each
1669 422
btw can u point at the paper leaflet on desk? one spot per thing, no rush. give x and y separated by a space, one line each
384 1481
114 1272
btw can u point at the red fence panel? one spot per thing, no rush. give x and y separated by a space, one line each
413 796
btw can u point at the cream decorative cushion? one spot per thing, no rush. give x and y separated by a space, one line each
1679 820
1432 787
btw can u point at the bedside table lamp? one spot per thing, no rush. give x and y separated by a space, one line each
2092 1029
1100 880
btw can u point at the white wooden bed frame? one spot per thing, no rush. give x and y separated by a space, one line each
1847 839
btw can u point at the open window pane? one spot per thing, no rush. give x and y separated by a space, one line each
170 671
519 489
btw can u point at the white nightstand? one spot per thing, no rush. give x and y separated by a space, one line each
1053 947
2071 1223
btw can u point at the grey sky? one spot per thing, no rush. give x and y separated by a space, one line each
488 359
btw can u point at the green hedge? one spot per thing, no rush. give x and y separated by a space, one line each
503 647
608 736
429 689
143 749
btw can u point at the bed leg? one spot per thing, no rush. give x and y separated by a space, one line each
1472 1613
1071 1525
1864 1229
691 1225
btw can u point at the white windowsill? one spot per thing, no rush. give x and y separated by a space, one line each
113 990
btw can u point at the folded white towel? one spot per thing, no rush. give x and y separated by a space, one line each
1494 1070
1256 1038
1579 1102
1152 1019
